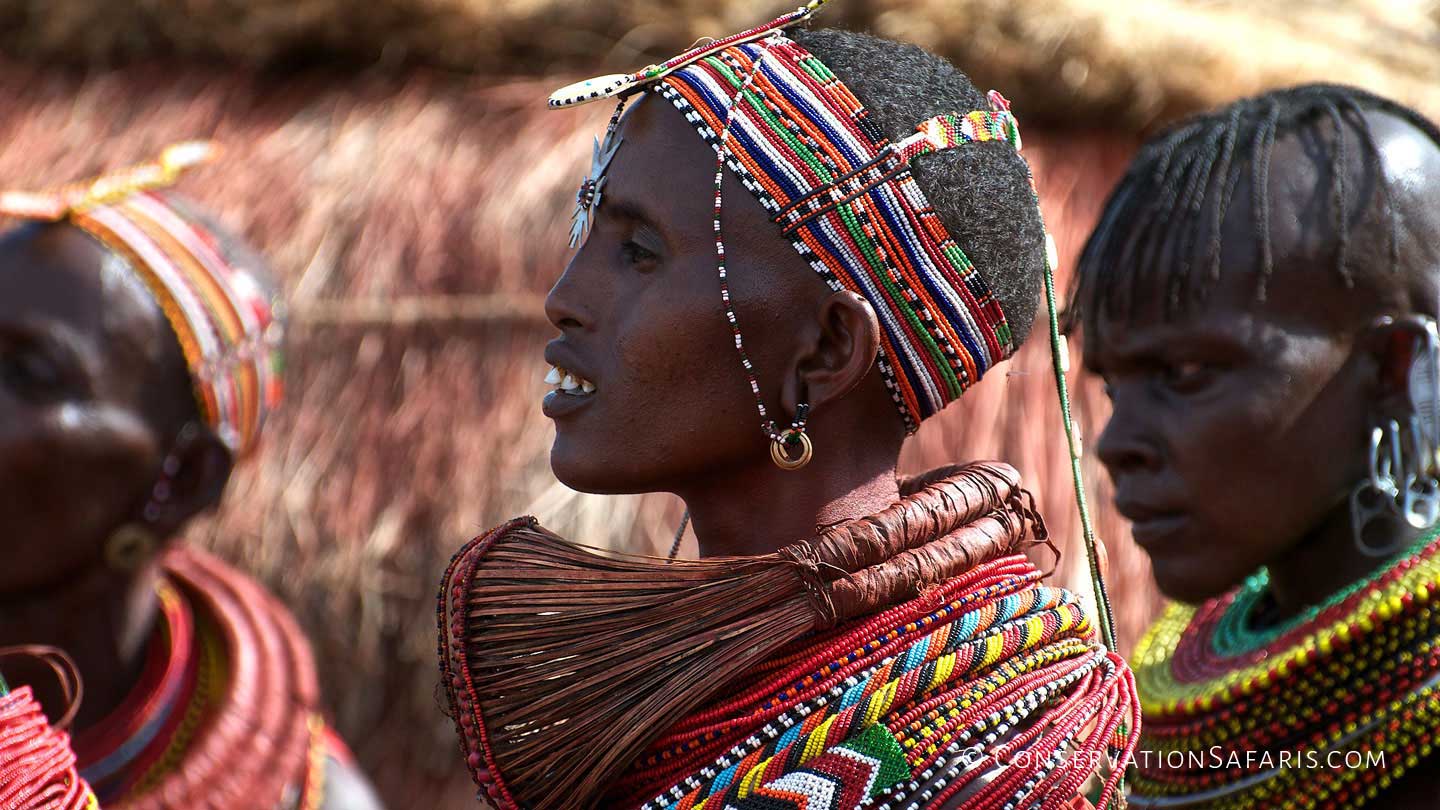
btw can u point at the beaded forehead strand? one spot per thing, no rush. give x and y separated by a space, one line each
767 425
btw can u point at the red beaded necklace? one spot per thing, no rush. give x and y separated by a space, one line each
225 715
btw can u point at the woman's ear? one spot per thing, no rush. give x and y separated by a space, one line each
835 353
1393 345
192 480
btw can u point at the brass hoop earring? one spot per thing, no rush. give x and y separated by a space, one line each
780 443
130 547
780 454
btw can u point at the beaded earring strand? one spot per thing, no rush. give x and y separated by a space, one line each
781 442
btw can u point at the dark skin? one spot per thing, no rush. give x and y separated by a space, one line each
1240 428
640 315
82 349
94 395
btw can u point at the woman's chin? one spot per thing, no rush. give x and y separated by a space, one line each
584 470
1190 582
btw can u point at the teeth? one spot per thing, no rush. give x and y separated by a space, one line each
568 381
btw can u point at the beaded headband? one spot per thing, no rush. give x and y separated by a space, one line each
845 197
228 327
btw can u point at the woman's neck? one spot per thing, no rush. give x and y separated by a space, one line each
104 621
763 509
1327 560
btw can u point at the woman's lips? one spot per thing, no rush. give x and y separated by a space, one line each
560 403
1154 530
1151 525
571 392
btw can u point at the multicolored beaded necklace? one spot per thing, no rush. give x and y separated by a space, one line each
921 699
37 763
1237 717
225 714
147 734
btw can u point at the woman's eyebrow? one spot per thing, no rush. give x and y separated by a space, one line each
625 208
55 338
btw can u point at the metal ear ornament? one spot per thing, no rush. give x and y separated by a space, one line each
1424 388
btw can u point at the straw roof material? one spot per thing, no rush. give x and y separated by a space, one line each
1079 61
415 222
416 216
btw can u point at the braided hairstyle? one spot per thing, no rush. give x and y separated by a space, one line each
982 192
1164 221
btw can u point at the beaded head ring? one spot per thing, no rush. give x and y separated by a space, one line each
228 326
844 196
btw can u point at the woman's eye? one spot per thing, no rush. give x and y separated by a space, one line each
1189 376
28 372
636 254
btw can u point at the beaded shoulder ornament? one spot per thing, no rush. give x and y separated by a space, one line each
37 763
229 329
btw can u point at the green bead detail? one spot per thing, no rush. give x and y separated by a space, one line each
878 743
1235 636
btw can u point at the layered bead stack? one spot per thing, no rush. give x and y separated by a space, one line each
995 665
37 765
1358 675
225 715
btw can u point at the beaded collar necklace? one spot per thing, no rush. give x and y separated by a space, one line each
1360 671
147 734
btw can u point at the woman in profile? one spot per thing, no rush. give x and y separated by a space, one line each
828 237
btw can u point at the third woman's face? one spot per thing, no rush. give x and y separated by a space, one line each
1235 430
1240 426
77 360
640 318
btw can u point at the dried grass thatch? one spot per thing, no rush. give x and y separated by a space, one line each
417 216
1077 61
416 226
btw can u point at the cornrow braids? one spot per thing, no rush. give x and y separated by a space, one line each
1164 221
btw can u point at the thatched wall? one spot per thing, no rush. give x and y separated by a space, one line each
417 214
416 222
1126 64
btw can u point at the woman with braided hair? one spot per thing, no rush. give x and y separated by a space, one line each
1261 297
139 357
830 236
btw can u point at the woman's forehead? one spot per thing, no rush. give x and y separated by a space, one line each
660 157
664 171
58 275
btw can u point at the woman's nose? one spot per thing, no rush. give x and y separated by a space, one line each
1128 442
565 305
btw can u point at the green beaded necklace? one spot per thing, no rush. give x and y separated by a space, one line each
1234 634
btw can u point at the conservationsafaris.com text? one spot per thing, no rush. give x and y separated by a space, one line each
1213 758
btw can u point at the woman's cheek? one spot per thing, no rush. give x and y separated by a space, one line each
69 476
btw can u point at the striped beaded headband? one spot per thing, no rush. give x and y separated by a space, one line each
228 327
845 197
